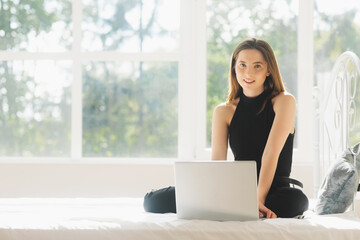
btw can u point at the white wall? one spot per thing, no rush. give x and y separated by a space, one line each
98 180
305 174
82 180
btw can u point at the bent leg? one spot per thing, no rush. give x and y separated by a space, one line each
287 202
160 201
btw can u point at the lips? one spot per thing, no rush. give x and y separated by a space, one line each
249 81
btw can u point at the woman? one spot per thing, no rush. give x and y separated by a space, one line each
258 121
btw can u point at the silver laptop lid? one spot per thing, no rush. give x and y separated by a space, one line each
216 190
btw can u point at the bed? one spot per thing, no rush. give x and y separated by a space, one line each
124 218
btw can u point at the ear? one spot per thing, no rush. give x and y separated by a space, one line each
268 74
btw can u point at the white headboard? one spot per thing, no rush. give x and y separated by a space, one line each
337 113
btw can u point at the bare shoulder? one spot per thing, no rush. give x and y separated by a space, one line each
225 111
284 100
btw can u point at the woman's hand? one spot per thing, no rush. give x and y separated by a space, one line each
265 212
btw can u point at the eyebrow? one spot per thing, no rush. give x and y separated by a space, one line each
253 62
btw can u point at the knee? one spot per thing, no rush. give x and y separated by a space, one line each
148 202
303 202
160 201
300 200
287 202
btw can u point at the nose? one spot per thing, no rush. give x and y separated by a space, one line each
248 71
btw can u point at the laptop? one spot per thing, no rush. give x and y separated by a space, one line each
216 190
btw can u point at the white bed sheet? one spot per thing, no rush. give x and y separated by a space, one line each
124 218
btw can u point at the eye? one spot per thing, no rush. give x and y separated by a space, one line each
257 66
242 65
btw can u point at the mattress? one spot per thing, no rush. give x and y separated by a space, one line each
124 218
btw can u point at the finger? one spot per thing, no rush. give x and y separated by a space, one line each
264 212
269 213
263 209
272 215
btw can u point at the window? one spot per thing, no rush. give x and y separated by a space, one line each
89 78
140 79
35 113
336 30
228 23
287 26
35 93
130 26
130 109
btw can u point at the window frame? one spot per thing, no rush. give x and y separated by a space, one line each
303 154
191 59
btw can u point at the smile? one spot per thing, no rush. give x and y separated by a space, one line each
249 81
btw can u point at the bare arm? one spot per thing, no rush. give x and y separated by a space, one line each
219 138
285 110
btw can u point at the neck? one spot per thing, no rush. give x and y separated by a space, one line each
253 93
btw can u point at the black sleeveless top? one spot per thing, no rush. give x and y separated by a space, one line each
249 131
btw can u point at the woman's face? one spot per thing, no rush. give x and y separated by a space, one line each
251 71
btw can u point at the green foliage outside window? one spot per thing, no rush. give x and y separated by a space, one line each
230 23
27 112
135 114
